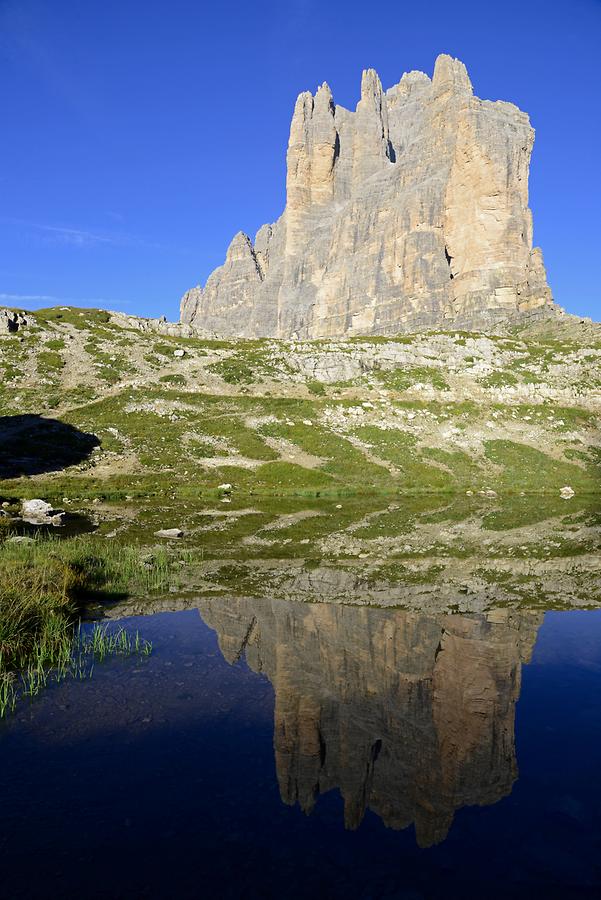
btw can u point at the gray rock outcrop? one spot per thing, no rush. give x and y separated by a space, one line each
11 320
409 213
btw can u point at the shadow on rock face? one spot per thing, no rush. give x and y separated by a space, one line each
31 445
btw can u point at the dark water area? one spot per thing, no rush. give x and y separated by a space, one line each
72 524
271 749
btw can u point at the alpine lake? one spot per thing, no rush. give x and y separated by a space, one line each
355 697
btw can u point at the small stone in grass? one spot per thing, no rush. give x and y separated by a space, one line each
169 533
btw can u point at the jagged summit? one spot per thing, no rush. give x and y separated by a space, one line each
410 212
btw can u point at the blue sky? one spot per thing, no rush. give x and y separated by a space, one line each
139 136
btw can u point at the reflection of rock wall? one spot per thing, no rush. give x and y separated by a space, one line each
408 715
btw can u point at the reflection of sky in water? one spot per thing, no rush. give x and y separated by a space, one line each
159 777
573 640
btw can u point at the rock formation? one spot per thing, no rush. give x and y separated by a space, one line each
411 212
408 714
11 320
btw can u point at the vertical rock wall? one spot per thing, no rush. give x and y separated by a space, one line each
410 212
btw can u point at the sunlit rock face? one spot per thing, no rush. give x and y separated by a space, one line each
410 212
408 715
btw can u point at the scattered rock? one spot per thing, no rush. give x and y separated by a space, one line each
38 512
36 508
169 533
19 539
147 560
179 353
224 488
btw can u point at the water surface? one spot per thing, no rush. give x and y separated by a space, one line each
275 749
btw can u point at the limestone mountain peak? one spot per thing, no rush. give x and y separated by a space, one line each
371 86
240 246
450 73
410 212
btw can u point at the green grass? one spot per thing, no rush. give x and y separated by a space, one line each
400 449
463 468
10 372
105 640
49 362
55 344
404 378
37 603
168 451
400 519
82 319
248 365
45 585
525 468
526 511
70 655
343 462
108 365
500 379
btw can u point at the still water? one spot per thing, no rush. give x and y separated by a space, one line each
276 749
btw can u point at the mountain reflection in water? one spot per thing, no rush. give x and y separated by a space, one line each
400 731
409 715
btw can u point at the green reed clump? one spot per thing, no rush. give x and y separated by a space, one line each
75 659
103 642
8 694
44 585
37 606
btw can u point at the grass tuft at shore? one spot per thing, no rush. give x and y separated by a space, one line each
44 586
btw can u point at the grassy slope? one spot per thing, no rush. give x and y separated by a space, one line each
238 412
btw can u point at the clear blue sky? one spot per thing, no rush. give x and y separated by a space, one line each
137 136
